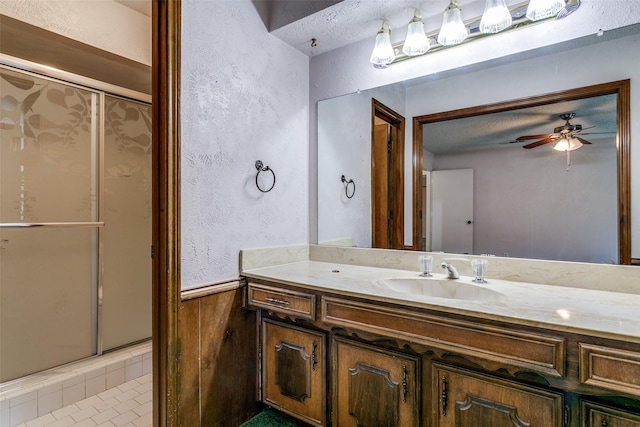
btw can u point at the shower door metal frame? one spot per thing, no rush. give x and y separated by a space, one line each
102 89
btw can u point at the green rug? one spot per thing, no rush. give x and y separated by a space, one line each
269 418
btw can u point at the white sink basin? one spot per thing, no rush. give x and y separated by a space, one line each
440 288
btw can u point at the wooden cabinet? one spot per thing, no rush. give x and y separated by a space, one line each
293 371
373 387
594 415
467 399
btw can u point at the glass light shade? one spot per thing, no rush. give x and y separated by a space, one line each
496 17
453 31
567 144
383 50
416 42
541 9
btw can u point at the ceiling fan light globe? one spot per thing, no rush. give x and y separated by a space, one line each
567 144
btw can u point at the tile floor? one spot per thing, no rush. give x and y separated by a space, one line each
127 405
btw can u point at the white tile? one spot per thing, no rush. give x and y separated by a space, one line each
115 378
50 389
106 424
144 409
78 379
96 373
90 401
96 385
115 366
133 360
109 393
147 366
63 422
49 402
5 413
73 394
85 423
107 403
123 419
41 421
133 371
144 421
129 385
23 398
23 412
84 414
126 406
144 387
147 378
127 395
65 411
144 397
104 416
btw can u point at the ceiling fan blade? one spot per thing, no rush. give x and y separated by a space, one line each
539 143
584 141
527 137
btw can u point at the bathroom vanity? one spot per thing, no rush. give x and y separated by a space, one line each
347 344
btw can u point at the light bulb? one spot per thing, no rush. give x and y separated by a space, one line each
541 9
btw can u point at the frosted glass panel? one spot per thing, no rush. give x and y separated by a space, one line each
48 150
126 312
48 173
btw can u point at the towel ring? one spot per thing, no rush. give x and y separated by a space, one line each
264 169
346 187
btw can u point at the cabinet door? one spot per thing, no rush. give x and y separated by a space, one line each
293 371
468 399
594 415
373 387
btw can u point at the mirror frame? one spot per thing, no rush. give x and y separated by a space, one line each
621 88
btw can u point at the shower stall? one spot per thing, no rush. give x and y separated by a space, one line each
75 219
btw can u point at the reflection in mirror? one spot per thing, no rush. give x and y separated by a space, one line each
525 201
495 184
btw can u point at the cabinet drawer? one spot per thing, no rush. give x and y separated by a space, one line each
283 301
533 351
610 368
594 415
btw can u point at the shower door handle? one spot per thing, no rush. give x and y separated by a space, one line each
51 224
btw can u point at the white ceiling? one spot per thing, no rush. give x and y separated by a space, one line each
500 130
350 21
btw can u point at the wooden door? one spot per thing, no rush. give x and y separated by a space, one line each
293 371
387 178
373 387
468 399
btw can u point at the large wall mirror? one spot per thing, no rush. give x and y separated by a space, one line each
533 202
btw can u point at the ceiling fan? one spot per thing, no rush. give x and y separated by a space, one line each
566 132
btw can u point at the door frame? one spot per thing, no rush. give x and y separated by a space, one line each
396 159
166 22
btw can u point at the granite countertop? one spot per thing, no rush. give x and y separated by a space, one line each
593 312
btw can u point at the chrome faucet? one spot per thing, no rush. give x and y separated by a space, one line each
452 272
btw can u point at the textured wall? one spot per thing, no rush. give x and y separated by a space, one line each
244 97
104 24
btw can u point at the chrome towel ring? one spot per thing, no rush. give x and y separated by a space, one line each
346 187
260 168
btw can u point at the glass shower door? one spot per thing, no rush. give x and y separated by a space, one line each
50 232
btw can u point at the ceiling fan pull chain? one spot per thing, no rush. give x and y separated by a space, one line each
568 159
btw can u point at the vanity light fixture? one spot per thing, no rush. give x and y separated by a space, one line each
453 30
541 9
383 53
496 17
417 41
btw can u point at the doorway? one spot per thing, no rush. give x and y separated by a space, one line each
387 177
